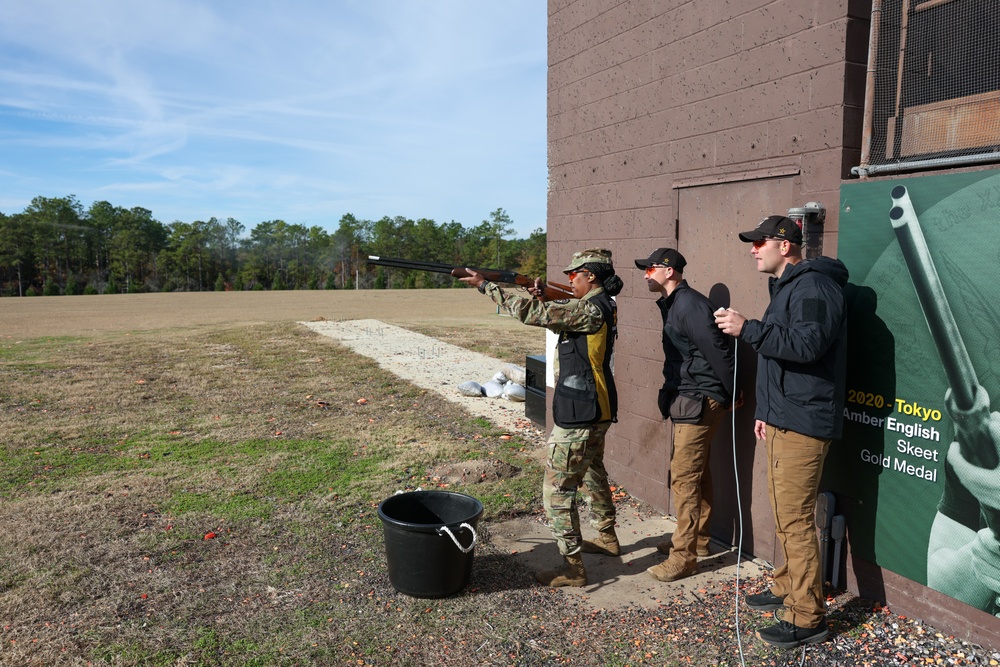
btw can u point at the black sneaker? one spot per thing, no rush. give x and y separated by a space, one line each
785 635
766 601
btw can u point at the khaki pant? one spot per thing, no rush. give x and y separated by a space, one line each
795 465
576 456
691 482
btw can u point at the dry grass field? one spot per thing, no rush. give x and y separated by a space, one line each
446 312
191 479
459 316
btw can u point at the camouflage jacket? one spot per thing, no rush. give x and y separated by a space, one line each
573 315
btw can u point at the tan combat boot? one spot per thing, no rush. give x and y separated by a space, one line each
671 570
666 547
570 574
606 544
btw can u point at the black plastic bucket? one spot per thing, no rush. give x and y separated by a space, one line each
429 541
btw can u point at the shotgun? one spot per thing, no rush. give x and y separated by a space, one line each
967 405
975 439
550 291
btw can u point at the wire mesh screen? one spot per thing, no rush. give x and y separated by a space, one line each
937 81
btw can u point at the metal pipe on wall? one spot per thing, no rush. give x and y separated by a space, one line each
869 119
933 163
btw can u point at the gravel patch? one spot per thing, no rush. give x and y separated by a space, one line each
429 363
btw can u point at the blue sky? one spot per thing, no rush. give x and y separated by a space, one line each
297 110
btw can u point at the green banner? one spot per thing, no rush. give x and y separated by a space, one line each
923 254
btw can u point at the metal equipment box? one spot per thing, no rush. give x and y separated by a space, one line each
534 388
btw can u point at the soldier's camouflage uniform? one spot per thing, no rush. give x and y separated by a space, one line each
576 455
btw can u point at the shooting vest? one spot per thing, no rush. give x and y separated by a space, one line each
585 393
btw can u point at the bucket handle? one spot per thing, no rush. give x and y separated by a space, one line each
444 529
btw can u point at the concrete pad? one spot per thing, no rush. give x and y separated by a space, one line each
616 582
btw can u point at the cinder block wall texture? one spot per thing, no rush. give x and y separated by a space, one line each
649 97
644 95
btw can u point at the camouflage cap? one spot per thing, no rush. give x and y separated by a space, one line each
589 256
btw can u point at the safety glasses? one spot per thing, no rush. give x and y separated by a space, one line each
653 267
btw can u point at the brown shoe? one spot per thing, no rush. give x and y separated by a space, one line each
606 544
665 548
671 570
570 574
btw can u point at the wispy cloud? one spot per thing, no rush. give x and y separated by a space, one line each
303 111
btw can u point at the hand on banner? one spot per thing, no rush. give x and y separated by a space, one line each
986 559
983 483
976 429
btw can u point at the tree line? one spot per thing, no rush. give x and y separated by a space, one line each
55 246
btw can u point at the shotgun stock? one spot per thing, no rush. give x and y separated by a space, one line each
550 292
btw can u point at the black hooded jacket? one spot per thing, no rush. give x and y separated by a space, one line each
802 343
698 359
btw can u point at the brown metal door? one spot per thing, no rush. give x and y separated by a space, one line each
720 266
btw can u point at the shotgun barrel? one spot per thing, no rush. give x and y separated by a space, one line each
551 291
933 302
972 416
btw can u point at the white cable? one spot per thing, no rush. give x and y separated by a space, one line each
739 514
803 660
739 507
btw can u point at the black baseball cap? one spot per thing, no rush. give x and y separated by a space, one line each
665 256
774 227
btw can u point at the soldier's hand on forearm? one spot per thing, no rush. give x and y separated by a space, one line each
538 289
473 278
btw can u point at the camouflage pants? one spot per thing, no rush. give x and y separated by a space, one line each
576 456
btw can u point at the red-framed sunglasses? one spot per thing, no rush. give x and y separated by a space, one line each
654 267
760 243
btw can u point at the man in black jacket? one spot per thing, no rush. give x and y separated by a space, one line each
697 391
802 343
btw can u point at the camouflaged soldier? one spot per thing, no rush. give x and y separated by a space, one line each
584 405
